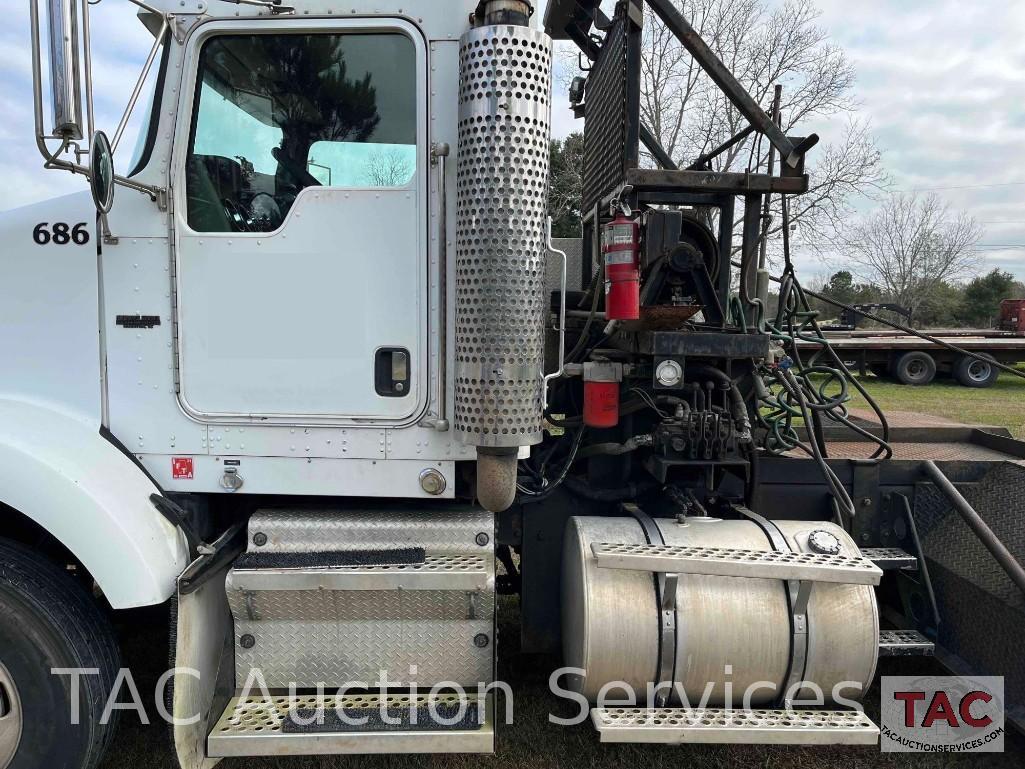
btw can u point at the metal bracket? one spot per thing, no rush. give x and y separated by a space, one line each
866 497
799 637
665 594
440 151
798 595
635 13
562 320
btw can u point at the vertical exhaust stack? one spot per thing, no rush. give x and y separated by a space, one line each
502 195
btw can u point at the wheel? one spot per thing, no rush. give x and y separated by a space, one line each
48 621
915 368
972 372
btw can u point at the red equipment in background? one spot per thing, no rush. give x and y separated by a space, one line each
1012 315
621 248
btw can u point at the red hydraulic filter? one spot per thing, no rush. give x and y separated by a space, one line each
621 248
601 393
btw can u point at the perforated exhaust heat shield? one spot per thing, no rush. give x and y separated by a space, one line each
502 197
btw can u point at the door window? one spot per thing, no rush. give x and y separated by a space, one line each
276 114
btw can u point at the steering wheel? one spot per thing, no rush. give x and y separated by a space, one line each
235 215
265 212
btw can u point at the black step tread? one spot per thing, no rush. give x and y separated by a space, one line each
329 558
446 717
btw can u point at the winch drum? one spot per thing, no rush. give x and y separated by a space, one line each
731 632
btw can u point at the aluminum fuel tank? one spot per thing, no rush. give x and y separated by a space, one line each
732 632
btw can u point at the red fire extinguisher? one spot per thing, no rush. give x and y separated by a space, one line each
621 247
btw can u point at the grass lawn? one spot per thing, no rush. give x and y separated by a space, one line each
1002 405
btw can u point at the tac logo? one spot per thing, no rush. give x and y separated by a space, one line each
950 714
182 468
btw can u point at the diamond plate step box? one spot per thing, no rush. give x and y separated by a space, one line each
423 621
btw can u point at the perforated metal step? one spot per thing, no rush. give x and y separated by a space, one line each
904 643
674 726
728 562
353 724
890 557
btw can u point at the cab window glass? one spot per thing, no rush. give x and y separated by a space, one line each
275 114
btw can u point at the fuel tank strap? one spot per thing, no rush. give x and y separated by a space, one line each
798 593
665 597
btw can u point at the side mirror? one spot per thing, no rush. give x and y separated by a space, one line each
65 74
101 172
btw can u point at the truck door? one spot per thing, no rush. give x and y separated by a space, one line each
300 207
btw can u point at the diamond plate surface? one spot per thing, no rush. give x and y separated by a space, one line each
341 625
449 531
982 611
938 452
343 652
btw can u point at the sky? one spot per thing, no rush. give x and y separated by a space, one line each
941 81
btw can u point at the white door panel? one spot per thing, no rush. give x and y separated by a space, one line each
300 189
288 323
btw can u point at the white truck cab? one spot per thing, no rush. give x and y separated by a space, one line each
262 305
300 373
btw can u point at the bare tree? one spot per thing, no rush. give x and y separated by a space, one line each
911 245
763 44
388 168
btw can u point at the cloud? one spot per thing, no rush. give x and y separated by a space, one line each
120 46
940 80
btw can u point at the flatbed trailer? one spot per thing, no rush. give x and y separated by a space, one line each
913 360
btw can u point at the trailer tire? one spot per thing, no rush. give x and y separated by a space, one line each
915 368
49 621
972 372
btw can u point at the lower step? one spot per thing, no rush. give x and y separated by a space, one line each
904 643
674 726
890 557
353 724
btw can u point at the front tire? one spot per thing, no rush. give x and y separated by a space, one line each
48 621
